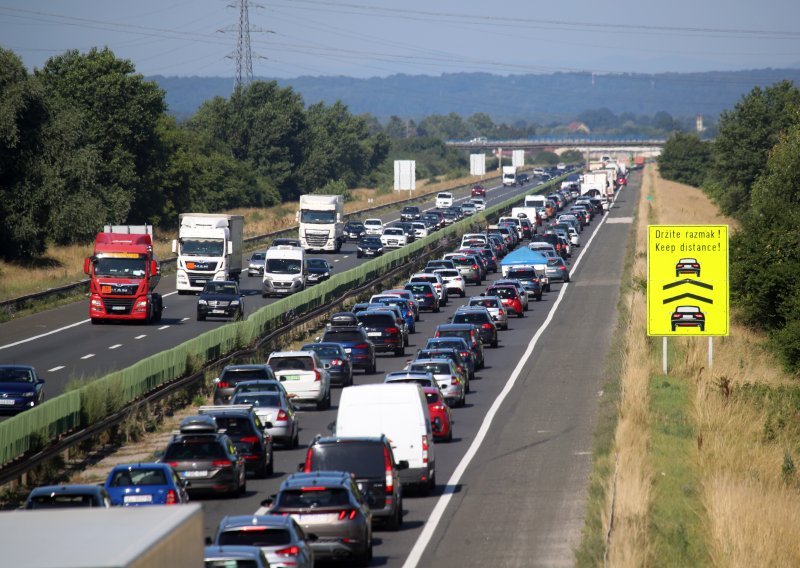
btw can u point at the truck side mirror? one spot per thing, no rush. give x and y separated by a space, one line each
230 247
297 216
87 265
174 245
154 268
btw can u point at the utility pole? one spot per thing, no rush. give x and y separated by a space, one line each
243 55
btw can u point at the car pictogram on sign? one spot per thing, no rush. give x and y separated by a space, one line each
687 266
688 316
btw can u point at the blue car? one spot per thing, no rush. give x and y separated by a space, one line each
133 485
405 309
20 388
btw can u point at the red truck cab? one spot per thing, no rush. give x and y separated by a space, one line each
124 271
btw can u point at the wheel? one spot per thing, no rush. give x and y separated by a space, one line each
539 298
521 315
436 309
262 472
396 520
201 318
373 368
400 352
365 558
358 255
295 441
449 434
263 295
462 293
494 343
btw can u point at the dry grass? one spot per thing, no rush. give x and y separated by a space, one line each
64 265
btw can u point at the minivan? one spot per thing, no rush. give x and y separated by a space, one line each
400 412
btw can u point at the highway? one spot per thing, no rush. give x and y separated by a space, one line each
63 345
512 484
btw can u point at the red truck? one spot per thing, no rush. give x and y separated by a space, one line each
124 272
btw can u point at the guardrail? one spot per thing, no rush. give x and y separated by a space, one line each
41 432
16 304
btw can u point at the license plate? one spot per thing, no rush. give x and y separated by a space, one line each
195 473
6 402
292 377
317 518
138 499
374 334
118 308
217 311
348 350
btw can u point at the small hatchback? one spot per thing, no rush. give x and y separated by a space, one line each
278 536
303 376
131 485
481 319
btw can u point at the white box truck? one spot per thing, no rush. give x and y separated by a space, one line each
284 271
209 247
509 175
321 222
399 411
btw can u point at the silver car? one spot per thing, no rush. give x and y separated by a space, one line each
495 307
451 382
278 536
256 264
275 408
557 270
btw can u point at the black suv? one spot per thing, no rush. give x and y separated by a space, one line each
243 426
206 458
220 299
371 461
481 319
410 213
382 330
232 375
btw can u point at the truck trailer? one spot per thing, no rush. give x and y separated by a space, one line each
119 537
321 222
209 247
124 273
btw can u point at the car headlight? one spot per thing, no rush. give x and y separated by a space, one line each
27 394
359 249
234 302
327 274
202 302
380 249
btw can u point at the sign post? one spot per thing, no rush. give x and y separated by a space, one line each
687 282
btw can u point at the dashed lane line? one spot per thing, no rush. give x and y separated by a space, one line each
88 356
54 369
141 336
117 346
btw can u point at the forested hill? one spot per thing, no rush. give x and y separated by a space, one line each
557 96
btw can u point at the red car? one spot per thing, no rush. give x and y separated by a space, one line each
478 191
509 297
622 180
441 419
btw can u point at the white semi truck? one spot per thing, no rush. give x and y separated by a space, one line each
284 271
209 247
321 222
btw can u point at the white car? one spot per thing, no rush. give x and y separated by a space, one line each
303 376
394 237
479 203
574 238
373 227
444 200
437 282
420 229
453 281
495 307
469 209
474 237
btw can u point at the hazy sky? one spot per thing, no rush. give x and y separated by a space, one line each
364 38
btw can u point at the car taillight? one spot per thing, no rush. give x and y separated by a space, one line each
289 550
307 466
487 326
172 464
337 363
387 467
391 330
223 385
474 267
222 463
454 382
676 316
699 316
317 376
562 267
172 497
282 416
465 354
424 449
360 346
250 440
351 514
501 312
428 295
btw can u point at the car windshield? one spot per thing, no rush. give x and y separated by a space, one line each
485 302
361 459
254 535
522 274
471 317
258 256
464 334
317 263
13 375
419 288
435 368
234 425
258 400
291 363
343 336
324 351
51 501
445 343
313 498
284 265
448 273
371 241
221 288
505 293
137 477
352 226
121 267
194 450
260 386
233 376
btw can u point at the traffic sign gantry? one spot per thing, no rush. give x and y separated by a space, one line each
687 280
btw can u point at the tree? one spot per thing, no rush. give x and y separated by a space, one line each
599 119
481 124
685 159
746 135
444 127
664 121
398 128
112 158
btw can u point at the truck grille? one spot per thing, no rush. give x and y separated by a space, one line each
316 238
118 306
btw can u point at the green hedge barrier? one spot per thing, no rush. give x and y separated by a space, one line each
35 428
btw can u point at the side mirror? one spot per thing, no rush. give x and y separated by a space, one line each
154 268
402 464
268 501
174 245
209 542
216 380
267 425
187 484
158 454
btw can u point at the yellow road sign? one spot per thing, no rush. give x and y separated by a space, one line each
687 280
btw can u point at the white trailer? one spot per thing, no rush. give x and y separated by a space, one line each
321 224
120 537
209 247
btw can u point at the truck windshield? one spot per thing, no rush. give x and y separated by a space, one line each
203 247
124 267
319 217
283 265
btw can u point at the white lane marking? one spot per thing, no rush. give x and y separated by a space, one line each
54 369
441 505
169 294
117 346
186 319
35 337
346 256
261 511
141 336
88 356
337 260
163 327
581 453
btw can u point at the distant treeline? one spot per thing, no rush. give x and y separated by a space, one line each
752 171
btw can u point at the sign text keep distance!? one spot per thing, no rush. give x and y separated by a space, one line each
687 280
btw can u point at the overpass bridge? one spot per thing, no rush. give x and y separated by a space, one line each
580 143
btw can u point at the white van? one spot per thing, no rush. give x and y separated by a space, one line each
400 412
284 271
444 200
